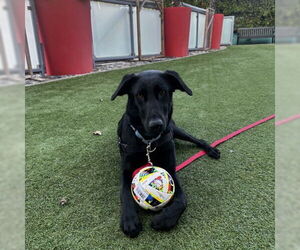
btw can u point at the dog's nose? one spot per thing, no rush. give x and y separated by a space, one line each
156 124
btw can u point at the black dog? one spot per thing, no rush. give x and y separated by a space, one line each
147 122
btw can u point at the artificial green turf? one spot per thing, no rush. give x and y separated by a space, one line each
230 201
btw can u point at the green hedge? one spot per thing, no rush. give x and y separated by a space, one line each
248 13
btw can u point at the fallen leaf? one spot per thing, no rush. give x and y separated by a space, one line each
63 201
97 132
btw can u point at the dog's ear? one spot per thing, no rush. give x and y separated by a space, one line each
176 81
124 85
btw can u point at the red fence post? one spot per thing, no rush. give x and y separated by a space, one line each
217 31
177 29
66 33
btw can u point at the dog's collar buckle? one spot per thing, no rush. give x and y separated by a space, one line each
147 142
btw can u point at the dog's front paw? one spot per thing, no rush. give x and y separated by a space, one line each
163 222
214 153
131 225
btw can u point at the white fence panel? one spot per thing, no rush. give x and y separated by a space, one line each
227 30
193 31
111 29
194 41
201 30
9 53
32 42
150 21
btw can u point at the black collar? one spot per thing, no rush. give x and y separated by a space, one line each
138 135
158 141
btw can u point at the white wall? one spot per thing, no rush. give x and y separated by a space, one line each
193 30
8 39
32 42
111 30
227 30
150 31
201 30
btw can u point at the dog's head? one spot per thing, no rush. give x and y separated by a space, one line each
150 97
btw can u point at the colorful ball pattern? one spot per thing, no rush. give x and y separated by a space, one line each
152 188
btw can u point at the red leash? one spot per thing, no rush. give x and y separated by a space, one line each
217 142
289 119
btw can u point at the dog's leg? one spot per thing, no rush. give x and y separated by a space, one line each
179 133
170 215
130 222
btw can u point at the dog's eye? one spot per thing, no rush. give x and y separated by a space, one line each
140 96
162 93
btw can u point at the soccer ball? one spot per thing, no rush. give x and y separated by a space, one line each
152 188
